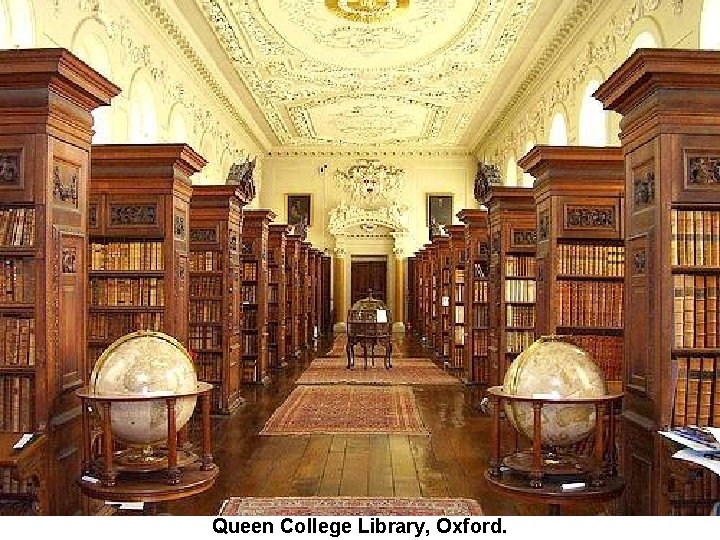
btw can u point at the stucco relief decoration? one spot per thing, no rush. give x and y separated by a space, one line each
308 62
487 175
370 193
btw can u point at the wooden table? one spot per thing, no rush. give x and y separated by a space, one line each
365 341
28 465
551 492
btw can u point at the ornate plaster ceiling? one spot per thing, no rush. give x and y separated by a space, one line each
369 72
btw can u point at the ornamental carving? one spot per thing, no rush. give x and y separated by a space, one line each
644 190
179 226
487 175
233 243
523 237
543 225
241 175
639 262
205 236
370 184
65 184
93 216
247 248
703 170
9 168
69 258
133 214
483 250
590 217
495 243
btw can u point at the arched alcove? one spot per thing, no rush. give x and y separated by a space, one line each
593 118
22 23
558 130
178 125
511 171
143 127
5 36
709 21
644 40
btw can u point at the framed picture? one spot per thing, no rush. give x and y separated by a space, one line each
439 213
298 209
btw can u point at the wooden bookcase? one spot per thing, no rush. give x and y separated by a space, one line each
670 135
476 365
412 292
511 217
46 99
305 294
313 312
277 296
139 246
326 300
254 295
579 195
458 311
215 316
293 296
443 327
432 287
318 310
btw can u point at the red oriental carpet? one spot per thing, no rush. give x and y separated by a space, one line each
347 409
348 506
417 371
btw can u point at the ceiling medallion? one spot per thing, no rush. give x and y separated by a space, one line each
367 11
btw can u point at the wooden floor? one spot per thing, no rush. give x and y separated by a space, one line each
448 463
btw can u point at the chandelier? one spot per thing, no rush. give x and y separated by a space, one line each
371 184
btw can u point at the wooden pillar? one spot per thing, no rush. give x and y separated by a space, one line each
399 313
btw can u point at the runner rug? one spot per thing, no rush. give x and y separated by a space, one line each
347 409
348 506
416 371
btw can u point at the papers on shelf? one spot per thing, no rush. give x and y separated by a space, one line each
690 443
381 316
126 505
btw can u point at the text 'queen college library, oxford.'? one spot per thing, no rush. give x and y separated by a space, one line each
360 258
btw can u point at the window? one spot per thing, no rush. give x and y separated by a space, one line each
644 40
558 130
511 172
593 118
709 33
143 117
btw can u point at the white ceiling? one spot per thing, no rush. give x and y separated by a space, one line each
368 73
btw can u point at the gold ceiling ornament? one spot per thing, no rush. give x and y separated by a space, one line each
367 11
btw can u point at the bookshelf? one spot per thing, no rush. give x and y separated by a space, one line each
432 284
511 286
215 316
254 295
443 323
476 368
458 311
579 195
326 300
138 241
313 312
413 293
46 99
277 296
670 134
293 295
305 294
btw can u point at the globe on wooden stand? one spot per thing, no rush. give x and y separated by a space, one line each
142 392
555 397
369 323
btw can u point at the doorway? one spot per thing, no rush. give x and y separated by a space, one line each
368 274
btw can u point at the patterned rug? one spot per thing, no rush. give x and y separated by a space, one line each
417 371
348 506
347 409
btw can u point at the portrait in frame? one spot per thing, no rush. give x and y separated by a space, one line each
439 213
299 210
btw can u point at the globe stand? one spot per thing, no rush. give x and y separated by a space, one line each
557 475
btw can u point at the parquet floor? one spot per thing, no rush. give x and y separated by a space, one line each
448 463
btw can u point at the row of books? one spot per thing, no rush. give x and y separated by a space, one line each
248 293
17 280
9 483
205 261
17 403
519 316
273 313
206 286
480 317
273 292
697 391
695 311
590 304
127 256
459 314
695 237
208 366
250 344
17 227
480 291
606 352
205 337
590 260
520 290
479 270
274 274
459 275
520 266
250 320
205 311
458 358
480 343
111 326
459 293
249 271
17 341
516 341
127 292
459 335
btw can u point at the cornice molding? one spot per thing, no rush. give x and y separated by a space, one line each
160 16
369 153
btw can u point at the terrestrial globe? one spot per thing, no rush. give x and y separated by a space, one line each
554 368
147 364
